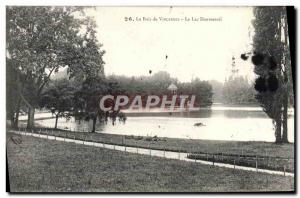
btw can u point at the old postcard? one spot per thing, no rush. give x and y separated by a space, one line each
150 99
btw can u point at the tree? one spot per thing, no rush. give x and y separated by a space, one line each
272 65
41 40
13 100
58 97
217 88
203 92
159 82
201 89
86 101
238 90
87 98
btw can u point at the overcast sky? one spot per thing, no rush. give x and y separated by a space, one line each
201 49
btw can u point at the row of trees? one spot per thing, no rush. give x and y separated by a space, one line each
158 83
66 98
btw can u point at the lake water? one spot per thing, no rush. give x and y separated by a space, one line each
220 123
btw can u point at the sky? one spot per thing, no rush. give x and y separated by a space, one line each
186 48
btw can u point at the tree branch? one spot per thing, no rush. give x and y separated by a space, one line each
26 102
45 81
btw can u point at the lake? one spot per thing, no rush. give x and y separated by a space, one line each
240 123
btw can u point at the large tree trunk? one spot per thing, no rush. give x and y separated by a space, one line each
16 118
56 119
278 139
286 62
94 125
16 123
31 111
12 119
284 119
30 121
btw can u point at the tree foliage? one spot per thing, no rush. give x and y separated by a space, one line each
158 83
238 90
41 40
58 97
201 89
272 65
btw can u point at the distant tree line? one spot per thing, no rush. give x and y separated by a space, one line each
237 90
158 83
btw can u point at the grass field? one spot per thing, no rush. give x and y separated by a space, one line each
269 155
185 145
39 165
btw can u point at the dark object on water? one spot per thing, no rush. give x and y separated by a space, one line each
199 124
150 71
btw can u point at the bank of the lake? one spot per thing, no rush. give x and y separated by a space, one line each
40 165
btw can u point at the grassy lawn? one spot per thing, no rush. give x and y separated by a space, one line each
278 164
241 153
188 145
44 165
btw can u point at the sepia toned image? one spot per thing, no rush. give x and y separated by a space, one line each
150 99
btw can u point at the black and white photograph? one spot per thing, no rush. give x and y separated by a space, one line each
150 99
